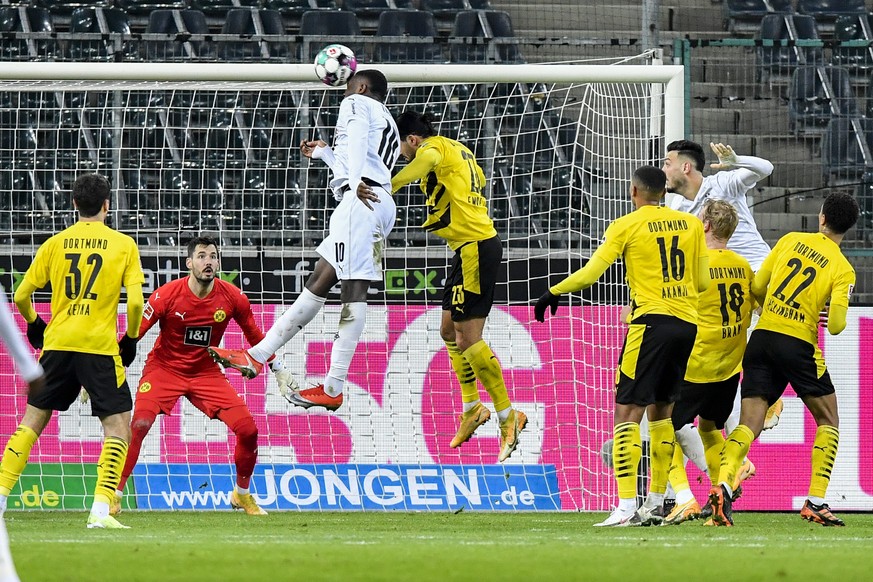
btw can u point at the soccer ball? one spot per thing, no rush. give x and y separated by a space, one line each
335 64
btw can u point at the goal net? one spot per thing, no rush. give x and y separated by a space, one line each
212 148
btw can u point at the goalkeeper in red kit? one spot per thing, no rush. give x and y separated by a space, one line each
193 313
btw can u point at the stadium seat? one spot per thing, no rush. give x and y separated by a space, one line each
779 61
816 94
104 21
147 6
746 15
864 195
323 26
487 24
247 22
849 28
298 7
69 6
220 7
846 149
375 7
25 19
830 10
452 7
181 23
416 24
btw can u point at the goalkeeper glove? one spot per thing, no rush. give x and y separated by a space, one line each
127 350
287 384
83 396
36 332
727 158
548 299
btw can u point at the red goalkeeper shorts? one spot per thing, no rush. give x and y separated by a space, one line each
209 392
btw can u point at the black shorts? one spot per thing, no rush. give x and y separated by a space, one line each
710 400
653 359
773 360
66 372
472 277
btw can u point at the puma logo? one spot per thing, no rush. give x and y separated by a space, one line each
181 315
13 451
822 449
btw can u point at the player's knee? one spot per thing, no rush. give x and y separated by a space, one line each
245 429
142 423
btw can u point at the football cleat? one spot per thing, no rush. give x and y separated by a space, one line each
684 512
720 502
469 422
618 518
820 514
669 504
746 471
773 414
115 504
245 502
107 522
238 360
646 516
509 431
315 397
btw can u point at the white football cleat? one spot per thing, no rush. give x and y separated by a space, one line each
618 518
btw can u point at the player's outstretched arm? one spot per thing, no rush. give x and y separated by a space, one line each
754 168
29 369
581 279
127 343
35 324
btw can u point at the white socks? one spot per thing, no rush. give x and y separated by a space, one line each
468 406
689 439
289 323
351 326
100 509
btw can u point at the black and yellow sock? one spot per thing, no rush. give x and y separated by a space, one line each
662 438
488 371
464 372
627 450
109 468
677 476
713 443
824 453
736 447
15 457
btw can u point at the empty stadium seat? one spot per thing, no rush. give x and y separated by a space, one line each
817 94
104 21
830 10
483 24
247 22
181 23
146 6
25 19
849 28
420 26
298 7
746 15
375 7
328 24
221 6
779 61
69 6
846 149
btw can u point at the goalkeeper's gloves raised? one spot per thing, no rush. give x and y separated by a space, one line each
127 350
548 299
727 157
36 332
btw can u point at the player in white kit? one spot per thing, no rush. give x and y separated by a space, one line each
366 146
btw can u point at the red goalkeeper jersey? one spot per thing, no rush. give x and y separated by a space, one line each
190 324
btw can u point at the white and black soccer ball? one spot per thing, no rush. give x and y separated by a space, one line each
335 64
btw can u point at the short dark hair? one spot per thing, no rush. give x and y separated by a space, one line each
840 212
90 191
689 149
200 241
415 123
376 81
652 180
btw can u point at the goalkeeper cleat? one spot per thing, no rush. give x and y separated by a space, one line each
315 397
107 522
238 360
773 414
115 504
618 518
820 514
646 516
470 421
245 502
746 471
509 431
684 512
720 502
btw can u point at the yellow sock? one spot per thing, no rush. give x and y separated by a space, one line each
713 443
109 468
661 440
15 457
736 447
465 374
627 449
488 371
824 452
677 476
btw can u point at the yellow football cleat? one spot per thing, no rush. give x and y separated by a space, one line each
245 502
107 522
509 431
746 470
773 414
470 421
115 504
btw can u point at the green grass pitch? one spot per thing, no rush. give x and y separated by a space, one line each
217 546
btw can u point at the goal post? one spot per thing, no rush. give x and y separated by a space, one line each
213 148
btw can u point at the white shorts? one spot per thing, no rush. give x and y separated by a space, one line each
357 236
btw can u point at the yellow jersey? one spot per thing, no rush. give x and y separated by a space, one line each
724 313
454 184
86 264
803 272
662 249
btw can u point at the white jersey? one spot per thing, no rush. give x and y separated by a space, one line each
366 144
731 186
